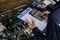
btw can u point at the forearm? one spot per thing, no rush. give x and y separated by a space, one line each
39 35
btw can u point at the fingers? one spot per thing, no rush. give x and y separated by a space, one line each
46 12
45 17
33 22
32 25
29 23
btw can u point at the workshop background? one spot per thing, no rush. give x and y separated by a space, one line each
11 28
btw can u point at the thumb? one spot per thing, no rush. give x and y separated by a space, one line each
29 24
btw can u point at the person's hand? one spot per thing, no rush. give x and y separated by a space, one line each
33 25
44 14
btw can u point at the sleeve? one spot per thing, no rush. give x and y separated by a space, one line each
39 35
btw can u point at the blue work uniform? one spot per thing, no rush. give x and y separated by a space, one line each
53 27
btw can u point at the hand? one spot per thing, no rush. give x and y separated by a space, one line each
33 25
44 14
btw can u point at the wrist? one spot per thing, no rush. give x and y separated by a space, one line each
34 28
